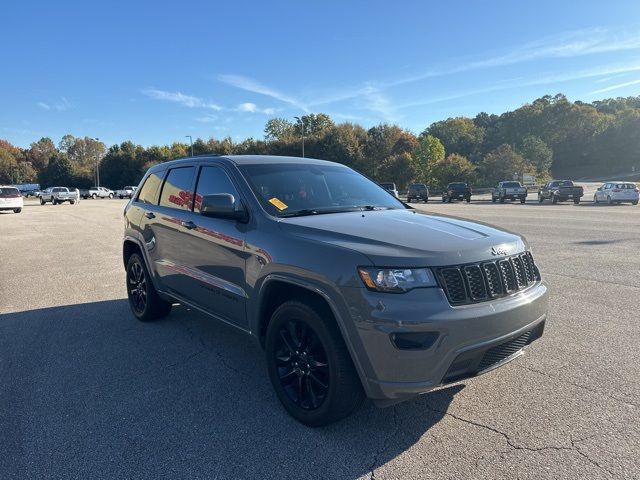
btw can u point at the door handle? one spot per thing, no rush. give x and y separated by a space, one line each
149 215
189 225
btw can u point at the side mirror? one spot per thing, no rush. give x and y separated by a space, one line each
599 189
222 205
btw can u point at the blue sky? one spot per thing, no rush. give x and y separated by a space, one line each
154 72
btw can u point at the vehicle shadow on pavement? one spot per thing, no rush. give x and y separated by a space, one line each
88 391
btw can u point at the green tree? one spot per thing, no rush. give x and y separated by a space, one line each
453 168
278 129
59 171
429 152
39 153
503 163
537 154
398 168
458 135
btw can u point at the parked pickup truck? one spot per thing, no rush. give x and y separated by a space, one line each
57 195
98 192
456 191
126 192
509 191
560 191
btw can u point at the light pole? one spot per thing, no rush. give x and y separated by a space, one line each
301 121
97 164
191 141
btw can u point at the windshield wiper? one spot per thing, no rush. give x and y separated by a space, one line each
318 211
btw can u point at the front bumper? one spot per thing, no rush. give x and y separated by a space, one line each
465 337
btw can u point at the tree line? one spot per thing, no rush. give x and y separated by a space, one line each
549 136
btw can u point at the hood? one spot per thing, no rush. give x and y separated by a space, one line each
405 238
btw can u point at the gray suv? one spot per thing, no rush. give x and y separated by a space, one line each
351 293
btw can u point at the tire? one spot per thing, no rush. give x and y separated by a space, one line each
634 202
554 199
319 384
426 200
576 201
493 199
443 200
72 202
449 200
609 202
120 197
595 199
144 301
111 195
523 200
540 198
93 196
42 202
17 210
501 199
468 199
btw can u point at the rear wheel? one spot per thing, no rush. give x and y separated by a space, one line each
609 202
309 365
42 202
426 200
523 200
554 199
540 198
501 199
144 300
576 201
17 210
94 196
72 202
468 199
635 202
111 195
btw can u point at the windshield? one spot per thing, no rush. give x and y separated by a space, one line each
511 184
418 186
457 185
308 189
565 183
8 192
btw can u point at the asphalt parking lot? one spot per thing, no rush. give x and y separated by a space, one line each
88 392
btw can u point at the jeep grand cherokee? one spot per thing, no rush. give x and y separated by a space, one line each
351 293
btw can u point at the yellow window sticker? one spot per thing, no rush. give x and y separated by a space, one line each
276 202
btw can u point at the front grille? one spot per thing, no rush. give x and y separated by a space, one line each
483 281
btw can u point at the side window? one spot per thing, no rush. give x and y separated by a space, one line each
149 191
176 190
213 180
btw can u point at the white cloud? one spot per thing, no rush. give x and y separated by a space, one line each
209 118
248 107
60 106
44 106
180 98
251 85
615 87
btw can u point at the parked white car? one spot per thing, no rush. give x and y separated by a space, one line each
126 192
10 199
617 192
101 192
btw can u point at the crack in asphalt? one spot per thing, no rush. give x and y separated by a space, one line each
574 444
386 443
577 385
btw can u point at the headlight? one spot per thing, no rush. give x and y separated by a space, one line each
396 280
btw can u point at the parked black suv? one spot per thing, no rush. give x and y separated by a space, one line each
351 293
456 191
418 191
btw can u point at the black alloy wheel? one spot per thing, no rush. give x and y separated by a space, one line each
137 288
302 365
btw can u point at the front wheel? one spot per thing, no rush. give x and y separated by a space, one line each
144 300
554 199
468 199
309 365
94 196
635 202
540 198
111 195
609 202
523 200
42 202
17 210
501 199
595 199
426 200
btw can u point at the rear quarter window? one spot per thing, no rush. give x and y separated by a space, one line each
149 191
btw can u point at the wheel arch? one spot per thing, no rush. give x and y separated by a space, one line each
277 289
